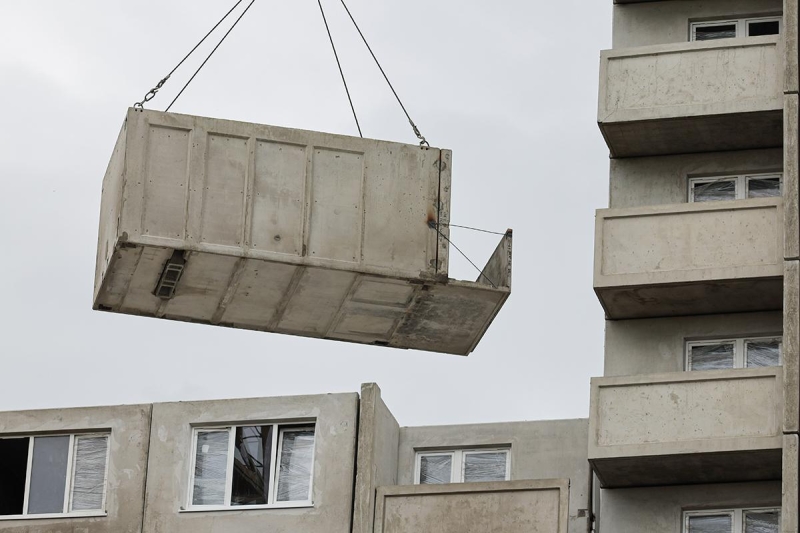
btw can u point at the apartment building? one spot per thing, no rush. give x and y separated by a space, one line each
331 463
693 427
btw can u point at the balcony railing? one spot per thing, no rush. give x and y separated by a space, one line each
692 97
690 259
689 427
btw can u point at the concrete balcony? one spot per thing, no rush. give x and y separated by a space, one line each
692 97
690 259
509 506
688 427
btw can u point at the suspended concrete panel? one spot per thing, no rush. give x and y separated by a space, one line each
274 229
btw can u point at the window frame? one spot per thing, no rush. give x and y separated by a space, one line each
742 184
69 478
739 350
742 26
458 458
278 429
737 515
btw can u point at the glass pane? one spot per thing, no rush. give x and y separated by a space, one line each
210 468
719 31
294 476
763 187
762 522
48 475
763 353
710 524
251 465
435 469
714 191
711 357
755 29
89 478
13 470
488 466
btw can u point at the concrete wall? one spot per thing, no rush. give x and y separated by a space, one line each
378 441
334 465
539 450
510 507
662 180
653 346
651 23
660 510
128 447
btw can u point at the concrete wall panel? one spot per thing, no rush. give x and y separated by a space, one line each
127 462
334 465
510 507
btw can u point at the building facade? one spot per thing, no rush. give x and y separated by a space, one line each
693 427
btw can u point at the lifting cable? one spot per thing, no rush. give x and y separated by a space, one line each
422 142
341 72
152 93
434 225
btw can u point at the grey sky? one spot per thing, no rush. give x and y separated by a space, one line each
510 86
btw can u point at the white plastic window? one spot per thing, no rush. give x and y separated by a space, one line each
724 354
732 521
462 466
58 475
732 28
253 466
735 187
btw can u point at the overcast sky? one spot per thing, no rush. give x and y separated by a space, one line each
510 86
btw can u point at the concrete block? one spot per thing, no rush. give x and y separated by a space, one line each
790 36
682 98
288 231
690 259
129 427
510 507
791 181
686 427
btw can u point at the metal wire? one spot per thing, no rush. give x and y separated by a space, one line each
474 229
152 93
434 226
423 142
341 72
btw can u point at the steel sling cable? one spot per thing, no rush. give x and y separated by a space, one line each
434 226
196 72
341 72
422 141
152 93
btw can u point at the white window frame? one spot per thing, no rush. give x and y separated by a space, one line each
739 349
737 514
69 480
742 25
742 182
276 447
458 461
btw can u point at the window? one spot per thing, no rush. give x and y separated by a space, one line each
733 353
462 466
53 475
735 187
732 521
267 465
728 29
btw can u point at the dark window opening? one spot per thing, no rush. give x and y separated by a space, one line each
251 465
13 469
768 27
